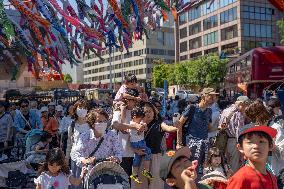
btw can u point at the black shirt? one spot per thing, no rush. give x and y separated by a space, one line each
154 136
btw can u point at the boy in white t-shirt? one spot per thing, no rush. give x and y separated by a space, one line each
137 142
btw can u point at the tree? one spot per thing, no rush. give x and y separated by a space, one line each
160 73
68 78
280 24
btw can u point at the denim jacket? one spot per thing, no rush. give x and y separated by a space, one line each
34 120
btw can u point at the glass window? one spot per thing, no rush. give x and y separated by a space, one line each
183 32
246 30
268 31
210 22
195 43
229 33
211 38
228 16
257 13
195 28
224 3
194 13
252 30
182 18
183 46
257 31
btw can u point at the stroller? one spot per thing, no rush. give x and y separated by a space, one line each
31 139
107 175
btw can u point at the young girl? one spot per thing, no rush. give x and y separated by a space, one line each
55 173
215 162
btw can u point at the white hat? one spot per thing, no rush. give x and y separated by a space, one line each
51 104
59 108
214 176
43 109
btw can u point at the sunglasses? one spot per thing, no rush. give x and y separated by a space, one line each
24 106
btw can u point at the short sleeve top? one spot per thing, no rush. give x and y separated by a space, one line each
46 181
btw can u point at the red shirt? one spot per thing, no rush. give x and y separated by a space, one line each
248 178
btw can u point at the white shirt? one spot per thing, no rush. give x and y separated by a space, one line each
134 136
124 138
87 143
277 159
64 124
78 130
46 181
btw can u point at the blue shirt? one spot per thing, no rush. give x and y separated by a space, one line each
34 121
198 127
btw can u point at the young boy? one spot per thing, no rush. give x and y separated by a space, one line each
130 83
137 141
254 143
178 171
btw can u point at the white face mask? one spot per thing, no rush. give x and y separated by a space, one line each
101 127
81 112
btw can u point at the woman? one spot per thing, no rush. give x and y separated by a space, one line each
153 136
74 133
64 125
277 122
257 113
97 143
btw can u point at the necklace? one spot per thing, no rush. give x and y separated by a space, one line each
259 178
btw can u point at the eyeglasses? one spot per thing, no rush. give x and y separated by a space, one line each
24 106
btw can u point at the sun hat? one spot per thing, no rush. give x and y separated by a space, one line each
214 176
207 91
243 99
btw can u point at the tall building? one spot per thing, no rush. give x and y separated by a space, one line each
139 60
226 26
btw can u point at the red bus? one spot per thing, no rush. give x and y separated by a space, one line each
254 71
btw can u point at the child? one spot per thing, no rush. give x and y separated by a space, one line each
178 171
215 162
40 149
130 82
254 142
137 142
55 173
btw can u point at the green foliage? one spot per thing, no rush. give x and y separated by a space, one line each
280 24
68 78
204 71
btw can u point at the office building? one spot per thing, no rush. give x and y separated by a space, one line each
139 60
229 26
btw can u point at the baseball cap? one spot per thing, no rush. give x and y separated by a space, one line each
243 99
252 128
59 108
43 109
206 91
169 158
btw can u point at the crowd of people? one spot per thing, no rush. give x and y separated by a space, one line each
197 144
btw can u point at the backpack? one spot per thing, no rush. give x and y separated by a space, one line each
187 123
221 139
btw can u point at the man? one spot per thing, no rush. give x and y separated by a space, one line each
51 108
34 107
215 116
194 125
232 119
25 119
6 129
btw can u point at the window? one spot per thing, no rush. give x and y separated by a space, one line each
209 7
228 16
224 3
161 37
194 55
182 19
214 50
195 43
210 22
183 46
254 44
171 53
183 32
211 38
195 28
229 33
194 13
257 13
181 58
256 30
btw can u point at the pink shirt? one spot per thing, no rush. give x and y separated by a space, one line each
118 96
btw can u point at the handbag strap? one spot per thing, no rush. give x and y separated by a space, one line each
27 122
98 146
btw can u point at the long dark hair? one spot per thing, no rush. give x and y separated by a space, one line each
215 151
80 103
153 107
55 155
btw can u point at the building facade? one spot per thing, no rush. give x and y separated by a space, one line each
226 26
139 60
